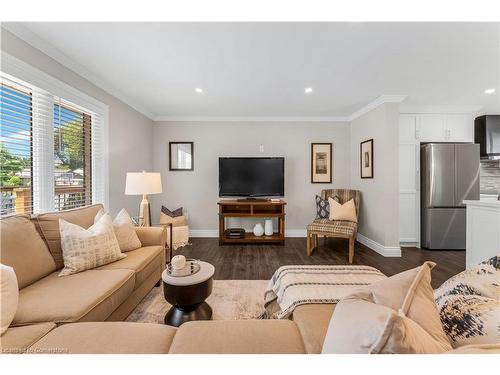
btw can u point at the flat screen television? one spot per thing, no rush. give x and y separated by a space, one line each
251 177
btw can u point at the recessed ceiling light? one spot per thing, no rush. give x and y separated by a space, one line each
198 90
489 91
308 90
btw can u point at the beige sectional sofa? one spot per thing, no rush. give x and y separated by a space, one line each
74 314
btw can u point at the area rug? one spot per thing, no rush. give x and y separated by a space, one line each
230 300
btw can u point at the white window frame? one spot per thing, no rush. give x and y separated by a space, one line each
33 77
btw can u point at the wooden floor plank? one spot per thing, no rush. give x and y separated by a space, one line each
259 261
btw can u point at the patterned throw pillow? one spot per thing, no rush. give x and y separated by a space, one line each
469 305
84 249
124 230
174 213
322 208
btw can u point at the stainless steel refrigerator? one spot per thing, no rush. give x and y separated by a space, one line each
449 174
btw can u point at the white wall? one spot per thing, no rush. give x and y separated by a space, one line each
130 133
379 209
197 191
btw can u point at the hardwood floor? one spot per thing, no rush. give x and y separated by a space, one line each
258 262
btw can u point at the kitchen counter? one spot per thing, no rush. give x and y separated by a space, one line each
483 230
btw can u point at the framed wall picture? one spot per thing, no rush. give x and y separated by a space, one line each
366 159
321 163
181 156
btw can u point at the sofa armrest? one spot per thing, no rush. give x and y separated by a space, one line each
152 236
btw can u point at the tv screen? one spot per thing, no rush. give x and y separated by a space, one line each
251 177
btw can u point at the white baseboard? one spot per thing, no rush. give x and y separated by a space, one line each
387 251
203 233
296 233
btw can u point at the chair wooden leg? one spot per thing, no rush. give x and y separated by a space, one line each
308 243
315 241
351 249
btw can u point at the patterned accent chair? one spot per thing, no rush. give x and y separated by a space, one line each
335 228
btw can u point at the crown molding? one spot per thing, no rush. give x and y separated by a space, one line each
376 103
448 109
250 119
35 41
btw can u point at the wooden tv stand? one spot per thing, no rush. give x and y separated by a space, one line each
252 209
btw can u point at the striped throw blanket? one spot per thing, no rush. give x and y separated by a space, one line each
292 286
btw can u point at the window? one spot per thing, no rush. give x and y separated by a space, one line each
72 157
52 146
15 148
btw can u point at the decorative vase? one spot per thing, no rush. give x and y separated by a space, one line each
269 227
258 230
178 262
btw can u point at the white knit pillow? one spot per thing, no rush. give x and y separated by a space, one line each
124 230
85 249
9 296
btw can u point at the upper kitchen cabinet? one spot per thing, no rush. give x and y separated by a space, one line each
436 128
460 128
408 129
431 128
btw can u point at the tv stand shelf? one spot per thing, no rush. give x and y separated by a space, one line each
252 209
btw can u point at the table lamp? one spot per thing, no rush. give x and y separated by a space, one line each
143 183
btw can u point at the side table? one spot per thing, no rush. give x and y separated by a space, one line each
187 295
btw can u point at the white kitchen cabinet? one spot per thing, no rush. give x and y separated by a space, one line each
444 128
431 128
409 214
409 165
408 128
459 128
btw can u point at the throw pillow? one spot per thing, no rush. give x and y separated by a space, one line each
394 315
346 211
124 230
174 213
469 305
9 294
85 249
322 208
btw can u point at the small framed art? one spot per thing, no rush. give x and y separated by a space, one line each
366 159
321 163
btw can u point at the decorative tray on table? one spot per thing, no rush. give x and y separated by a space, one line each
192 266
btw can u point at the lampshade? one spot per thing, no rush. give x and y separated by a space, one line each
140 183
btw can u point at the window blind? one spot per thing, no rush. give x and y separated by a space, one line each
53 154
16 154
72 156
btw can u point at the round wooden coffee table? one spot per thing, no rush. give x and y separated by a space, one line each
187 295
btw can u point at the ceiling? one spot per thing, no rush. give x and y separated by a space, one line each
262 69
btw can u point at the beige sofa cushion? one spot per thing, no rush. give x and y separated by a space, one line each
17 340
9 296
394 315
143 261
108 338
48 225
477 349
312 321
87 296
238 337
23 249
